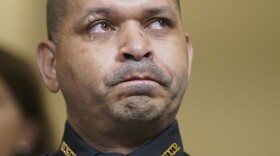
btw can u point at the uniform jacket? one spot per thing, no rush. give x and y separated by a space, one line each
167 143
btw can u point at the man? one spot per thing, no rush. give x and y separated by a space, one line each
123 67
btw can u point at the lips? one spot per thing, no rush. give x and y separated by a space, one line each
138 77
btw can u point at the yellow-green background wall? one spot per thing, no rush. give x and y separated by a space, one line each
232 106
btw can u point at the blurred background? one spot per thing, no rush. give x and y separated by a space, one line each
232 105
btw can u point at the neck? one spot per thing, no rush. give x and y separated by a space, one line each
119 138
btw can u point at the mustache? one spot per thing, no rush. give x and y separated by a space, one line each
145 65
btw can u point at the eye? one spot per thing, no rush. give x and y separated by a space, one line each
158 24
100 27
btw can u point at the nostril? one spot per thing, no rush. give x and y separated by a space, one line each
128 56
147 55
136 57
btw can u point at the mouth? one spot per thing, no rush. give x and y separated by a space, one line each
142 72
140 78
139 85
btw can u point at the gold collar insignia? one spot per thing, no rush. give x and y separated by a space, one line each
66 150
172 150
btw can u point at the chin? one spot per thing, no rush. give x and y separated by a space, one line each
137 109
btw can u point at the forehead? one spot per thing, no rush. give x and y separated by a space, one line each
127 7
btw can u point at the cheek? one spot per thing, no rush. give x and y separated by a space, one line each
172 55
85 65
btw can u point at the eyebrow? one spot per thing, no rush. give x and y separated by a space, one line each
105 11
160 10
96 11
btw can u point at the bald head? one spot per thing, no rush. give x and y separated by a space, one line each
56 11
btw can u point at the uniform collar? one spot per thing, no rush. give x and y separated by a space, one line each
167 143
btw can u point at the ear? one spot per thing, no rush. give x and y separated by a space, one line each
46 61
190 54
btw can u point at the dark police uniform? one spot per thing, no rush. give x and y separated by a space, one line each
167 143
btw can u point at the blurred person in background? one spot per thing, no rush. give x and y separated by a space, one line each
23 126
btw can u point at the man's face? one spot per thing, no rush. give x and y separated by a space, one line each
122 60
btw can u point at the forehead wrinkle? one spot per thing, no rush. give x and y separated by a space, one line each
160 10
106 11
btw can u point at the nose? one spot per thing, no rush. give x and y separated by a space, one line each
134 44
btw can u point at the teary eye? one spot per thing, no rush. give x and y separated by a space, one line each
158 24
100 27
